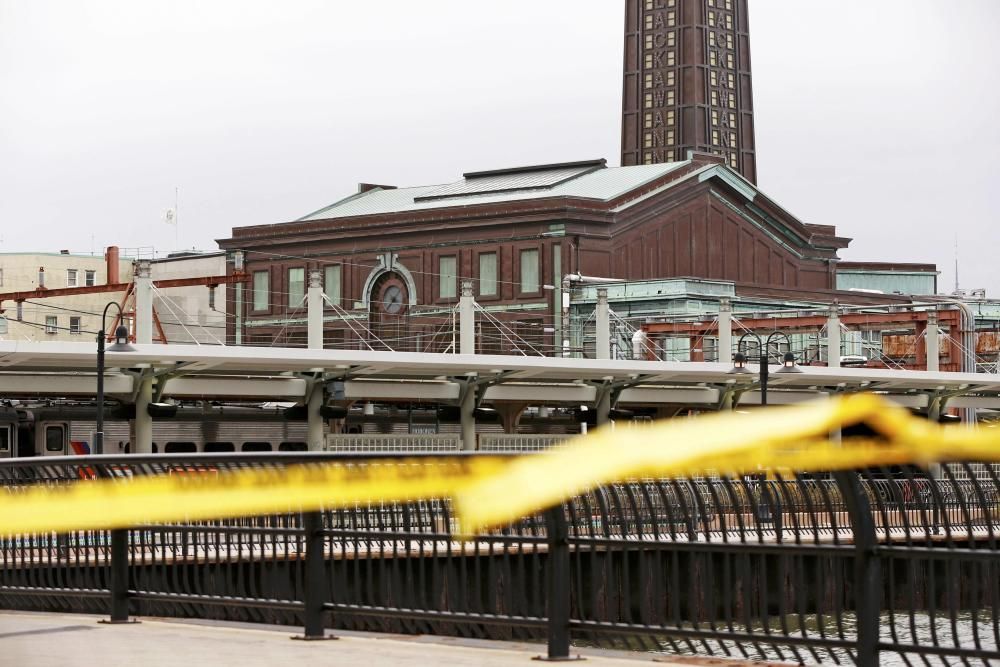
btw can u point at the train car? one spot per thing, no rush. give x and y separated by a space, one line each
68 429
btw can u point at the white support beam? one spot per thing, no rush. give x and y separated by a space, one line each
602 320
386 390
675 395
725 354
54 384
143 442
542 393
467 320
932 338
277 389
143 303
316 425
833 338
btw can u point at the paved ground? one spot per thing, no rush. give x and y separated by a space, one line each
44 640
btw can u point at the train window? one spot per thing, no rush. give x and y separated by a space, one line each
293 447
256 447
54 440
180 448
5 439
215 447
155 448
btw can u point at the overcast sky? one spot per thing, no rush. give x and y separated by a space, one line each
879 116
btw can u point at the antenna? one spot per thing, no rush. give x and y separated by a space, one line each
956 262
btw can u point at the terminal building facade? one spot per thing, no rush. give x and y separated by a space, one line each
392 261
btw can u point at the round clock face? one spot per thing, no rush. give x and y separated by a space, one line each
392 299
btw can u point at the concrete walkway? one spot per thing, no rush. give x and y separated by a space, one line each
44 640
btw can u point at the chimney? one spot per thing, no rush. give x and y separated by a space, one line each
368 187
111 258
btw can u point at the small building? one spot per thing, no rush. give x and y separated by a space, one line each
63 318
192 314
888 277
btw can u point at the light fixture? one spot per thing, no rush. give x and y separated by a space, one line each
121 340
739 365
789 365
543 412
369 409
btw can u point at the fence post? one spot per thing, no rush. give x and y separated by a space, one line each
314 581
558 592
118 585
867 568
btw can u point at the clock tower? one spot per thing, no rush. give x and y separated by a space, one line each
687 83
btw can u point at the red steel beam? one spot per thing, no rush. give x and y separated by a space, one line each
809 322
210 281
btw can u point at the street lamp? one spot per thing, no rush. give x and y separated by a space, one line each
740 361
120 345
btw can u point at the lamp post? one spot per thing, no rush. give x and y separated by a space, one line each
740 360
764 514
120 345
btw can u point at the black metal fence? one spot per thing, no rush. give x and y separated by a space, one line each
877 566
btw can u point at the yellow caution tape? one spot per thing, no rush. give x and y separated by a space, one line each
795 437
191 497
489 491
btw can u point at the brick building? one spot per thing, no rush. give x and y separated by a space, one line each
393 259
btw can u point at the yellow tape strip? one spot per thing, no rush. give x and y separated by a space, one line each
787 437
492 491
197 496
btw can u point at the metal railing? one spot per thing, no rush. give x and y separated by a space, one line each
867 567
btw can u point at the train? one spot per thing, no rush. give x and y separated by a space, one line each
67 429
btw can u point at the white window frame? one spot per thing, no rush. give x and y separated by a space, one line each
51 324
263 292
295 298
78 321
333 283
90 278
448 281
72 278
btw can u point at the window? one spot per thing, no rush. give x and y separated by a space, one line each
296 287
219 447
91 278
5 439
74 325
714 77
529 270
51 324
1 277
293 447
71 278
180 448
261 289
55 438
488 274
331 283
3 324
447 277
256 447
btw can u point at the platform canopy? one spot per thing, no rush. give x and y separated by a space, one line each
252 373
